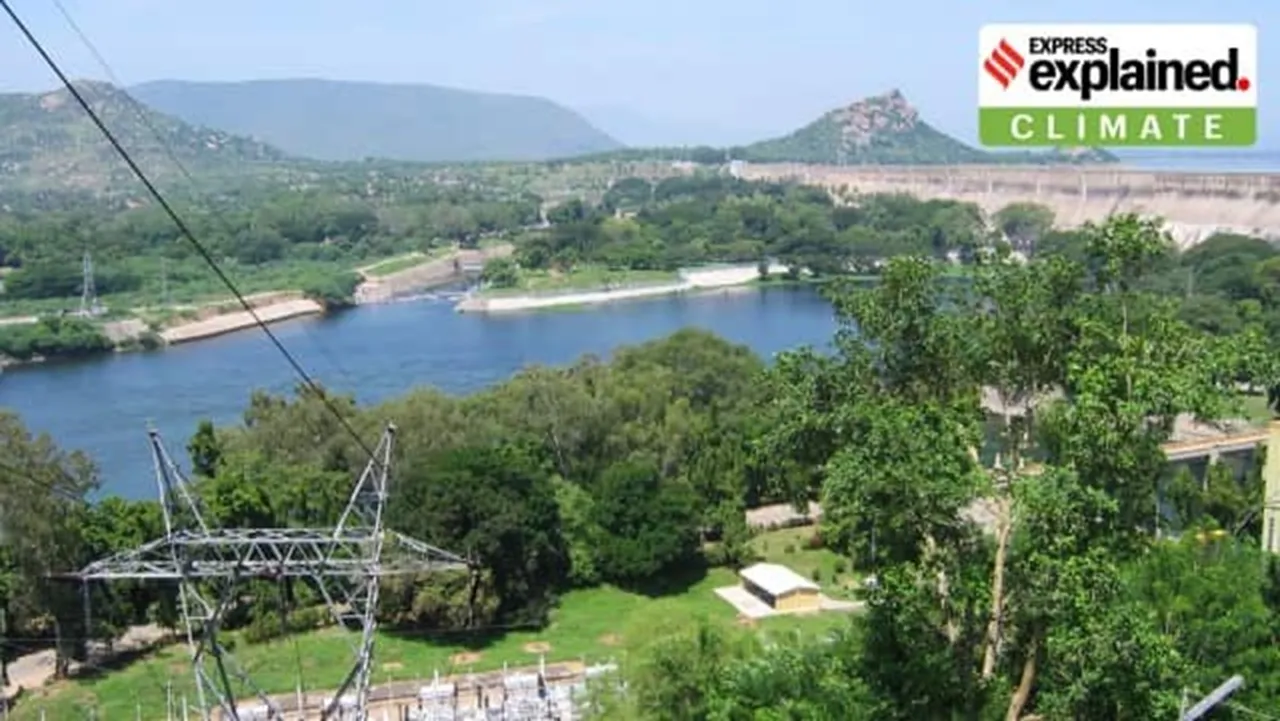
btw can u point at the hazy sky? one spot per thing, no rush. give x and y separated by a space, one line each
736 69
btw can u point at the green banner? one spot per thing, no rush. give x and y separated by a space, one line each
1118 127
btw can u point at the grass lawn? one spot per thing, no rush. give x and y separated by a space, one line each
1255 408
587 277
396 264
594 625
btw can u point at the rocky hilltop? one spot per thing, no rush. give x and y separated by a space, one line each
47 141
888 129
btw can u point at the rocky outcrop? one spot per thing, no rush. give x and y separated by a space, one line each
1194 205
862 122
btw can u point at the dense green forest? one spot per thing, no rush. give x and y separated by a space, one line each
686 221
43 249
636 471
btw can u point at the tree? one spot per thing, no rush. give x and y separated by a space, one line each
1024 318
1038 622
1024 224
496 506
500 273
649 524
42 492
205 450
678 672
794 679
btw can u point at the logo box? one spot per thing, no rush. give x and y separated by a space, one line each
1118 85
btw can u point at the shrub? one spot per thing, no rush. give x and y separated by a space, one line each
332 291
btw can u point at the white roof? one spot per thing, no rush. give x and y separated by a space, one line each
776 580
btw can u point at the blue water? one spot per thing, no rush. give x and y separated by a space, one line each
103 406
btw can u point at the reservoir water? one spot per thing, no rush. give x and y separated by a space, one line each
103 406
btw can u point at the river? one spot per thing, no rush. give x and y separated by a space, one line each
103 406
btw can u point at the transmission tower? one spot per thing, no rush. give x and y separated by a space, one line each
88 294
343 563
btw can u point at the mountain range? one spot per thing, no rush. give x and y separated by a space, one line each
46 140
335 120
265 126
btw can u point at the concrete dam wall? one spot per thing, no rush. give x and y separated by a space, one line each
1194 205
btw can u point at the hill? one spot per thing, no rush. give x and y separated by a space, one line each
888 130
332 120
880 130
47 141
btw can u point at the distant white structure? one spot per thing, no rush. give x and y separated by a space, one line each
781 588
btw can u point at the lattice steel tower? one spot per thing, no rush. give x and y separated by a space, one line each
88 293
344 564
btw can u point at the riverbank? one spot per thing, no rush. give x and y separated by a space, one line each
239 320
408 276
140 326
693 279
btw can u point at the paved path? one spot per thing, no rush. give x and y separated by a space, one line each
36 669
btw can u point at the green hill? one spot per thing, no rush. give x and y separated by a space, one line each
884 130
332 120
880 130
47 141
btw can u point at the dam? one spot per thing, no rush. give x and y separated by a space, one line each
1194 205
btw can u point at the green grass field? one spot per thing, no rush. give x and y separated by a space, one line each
190 283
1255 408
396 264
593 625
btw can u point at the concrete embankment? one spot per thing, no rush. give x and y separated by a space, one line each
237 320
442 271
1195 205
690 280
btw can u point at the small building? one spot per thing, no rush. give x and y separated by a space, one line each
469 262
781 588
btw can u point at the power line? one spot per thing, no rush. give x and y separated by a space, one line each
184 229
140 112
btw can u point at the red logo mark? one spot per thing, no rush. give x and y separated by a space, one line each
1003 63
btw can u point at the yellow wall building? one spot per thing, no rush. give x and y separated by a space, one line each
1271 491
781 588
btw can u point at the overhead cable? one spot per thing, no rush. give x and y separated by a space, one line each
182 227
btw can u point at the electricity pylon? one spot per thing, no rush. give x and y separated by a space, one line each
89 305
344 564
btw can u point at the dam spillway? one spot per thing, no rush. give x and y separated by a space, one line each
1194 205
